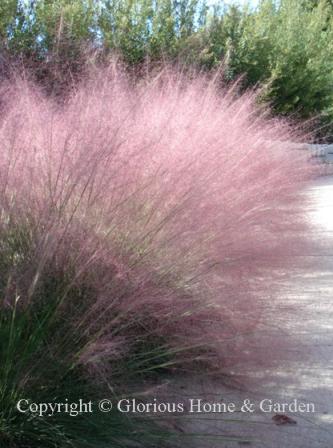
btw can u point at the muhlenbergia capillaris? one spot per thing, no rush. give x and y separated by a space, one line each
140 227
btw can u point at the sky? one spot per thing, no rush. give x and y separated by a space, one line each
230 2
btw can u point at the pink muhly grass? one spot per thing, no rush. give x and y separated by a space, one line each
170 203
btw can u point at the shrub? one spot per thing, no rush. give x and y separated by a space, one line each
140 227
285 46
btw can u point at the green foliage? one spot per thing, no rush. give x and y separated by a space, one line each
39 354
33 368
289 49
285 46
142 28
64 22
8 13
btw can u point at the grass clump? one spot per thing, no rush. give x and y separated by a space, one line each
140 228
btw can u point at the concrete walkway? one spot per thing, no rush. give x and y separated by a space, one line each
303 327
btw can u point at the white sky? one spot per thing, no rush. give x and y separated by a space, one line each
230 2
